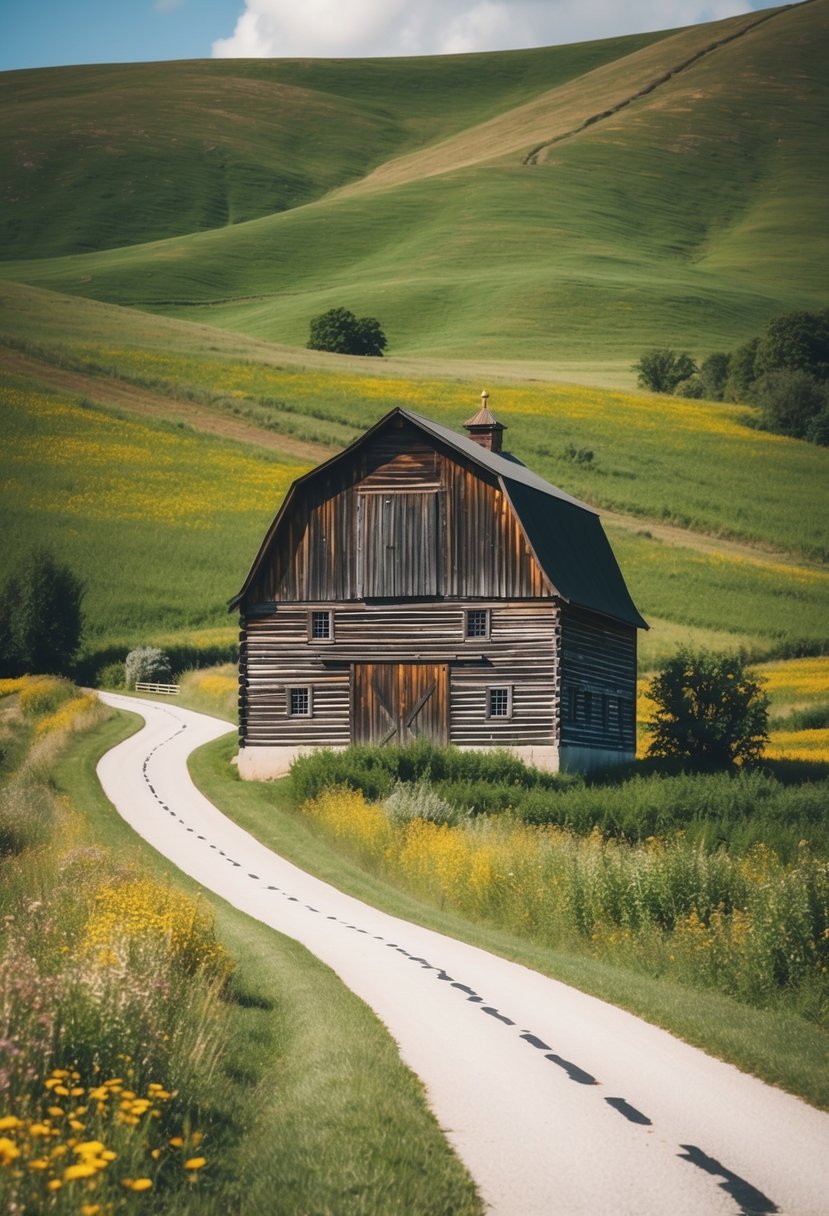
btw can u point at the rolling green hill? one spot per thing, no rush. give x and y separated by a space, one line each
572 203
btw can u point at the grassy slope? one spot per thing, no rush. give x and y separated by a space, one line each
661 220
340 1123
113 155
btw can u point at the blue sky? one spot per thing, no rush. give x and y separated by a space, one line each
45 33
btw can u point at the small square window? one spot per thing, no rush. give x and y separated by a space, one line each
499 702
299 702
477 623
321 626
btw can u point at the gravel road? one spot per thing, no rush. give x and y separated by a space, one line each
558 1103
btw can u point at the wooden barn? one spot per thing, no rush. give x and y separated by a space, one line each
424 583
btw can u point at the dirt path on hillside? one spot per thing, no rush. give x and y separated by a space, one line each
109 391
112 392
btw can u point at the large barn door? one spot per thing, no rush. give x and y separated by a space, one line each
400 702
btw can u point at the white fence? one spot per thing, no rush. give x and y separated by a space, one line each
171 690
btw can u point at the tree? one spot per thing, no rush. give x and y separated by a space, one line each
742 372
789 400
662 370
713 374
342 333
708 709
798 341
40 611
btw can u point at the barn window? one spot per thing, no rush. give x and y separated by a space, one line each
477 623
321 626
300 702
588 707
499 701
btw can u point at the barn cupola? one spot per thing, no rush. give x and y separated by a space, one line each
484 428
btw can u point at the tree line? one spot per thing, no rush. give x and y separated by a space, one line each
783 371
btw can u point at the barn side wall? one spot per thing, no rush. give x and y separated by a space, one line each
598 690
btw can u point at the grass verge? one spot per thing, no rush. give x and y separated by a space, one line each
779 1047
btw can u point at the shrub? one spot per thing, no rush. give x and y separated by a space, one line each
708 709
418 801
112 675
147 663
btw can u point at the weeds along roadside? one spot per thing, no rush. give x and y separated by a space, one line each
112 1021
750 926
276 1091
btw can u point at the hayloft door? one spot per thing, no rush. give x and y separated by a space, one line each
400 702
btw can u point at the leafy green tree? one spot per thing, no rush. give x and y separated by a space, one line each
742 372
789 400
708 709
41 619
342 333
713 374
798 341
662 370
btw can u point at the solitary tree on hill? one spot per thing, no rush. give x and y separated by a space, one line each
342 333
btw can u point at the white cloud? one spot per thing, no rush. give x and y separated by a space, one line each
335 28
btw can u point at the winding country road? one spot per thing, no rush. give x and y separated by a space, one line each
559 1104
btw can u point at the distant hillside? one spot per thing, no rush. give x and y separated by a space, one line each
101 156
571 203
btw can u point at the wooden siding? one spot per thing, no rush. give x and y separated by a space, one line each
276 655
319 553
398 545
598 681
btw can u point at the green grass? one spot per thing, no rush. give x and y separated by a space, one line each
159 149
777 1046
162 521
333 1121
645 229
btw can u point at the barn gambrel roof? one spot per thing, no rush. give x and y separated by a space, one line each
564 534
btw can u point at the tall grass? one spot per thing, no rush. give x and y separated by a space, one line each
753 927
112 1015
778 806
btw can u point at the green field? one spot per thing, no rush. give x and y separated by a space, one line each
107 459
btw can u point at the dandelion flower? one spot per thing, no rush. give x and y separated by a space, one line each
137 1184
9 1151
195 1163
83 1169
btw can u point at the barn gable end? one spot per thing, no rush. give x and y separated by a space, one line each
416 584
